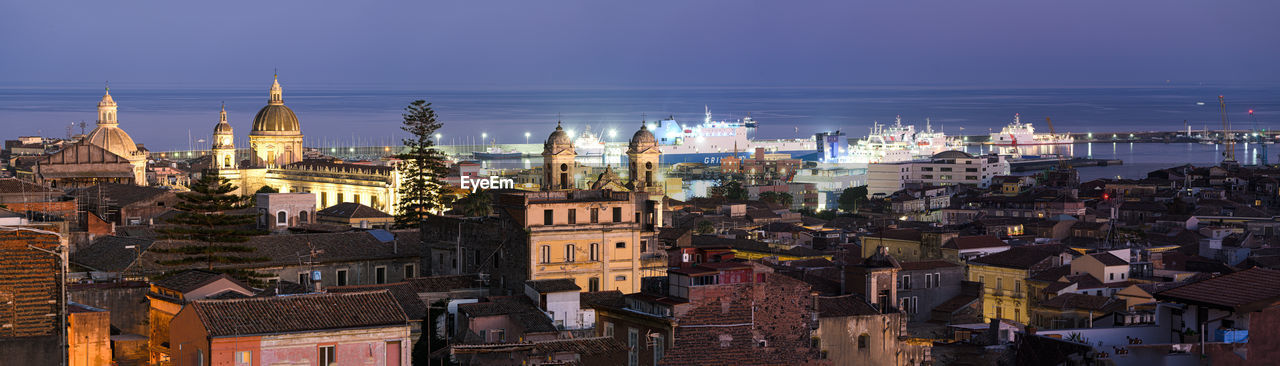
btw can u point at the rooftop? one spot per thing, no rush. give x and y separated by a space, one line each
1247 290
191 280
1023 257
298 313
352 210
553 285
975 242
844 305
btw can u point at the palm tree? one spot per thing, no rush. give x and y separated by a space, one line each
476 204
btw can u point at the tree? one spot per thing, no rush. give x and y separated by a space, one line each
705 227
203 218
730 190
266 189
852 197
475 204
422 191
781 198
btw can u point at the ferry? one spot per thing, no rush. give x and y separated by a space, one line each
712 140
493 152
898 142
588 144
1022 134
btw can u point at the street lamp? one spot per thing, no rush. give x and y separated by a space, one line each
526 137
613 133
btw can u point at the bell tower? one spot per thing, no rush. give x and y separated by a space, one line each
558 165
643 156
224 147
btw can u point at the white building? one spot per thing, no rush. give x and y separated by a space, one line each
559 299
944 168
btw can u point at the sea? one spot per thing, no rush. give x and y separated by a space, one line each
182 117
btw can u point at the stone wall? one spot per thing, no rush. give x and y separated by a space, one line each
127 302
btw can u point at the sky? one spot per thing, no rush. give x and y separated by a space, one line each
636 44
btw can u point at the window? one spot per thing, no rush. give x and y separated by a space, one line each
302 278
926 176
906 282
1111 276
971 170
302 217
380 275
545 254
547 216
499 335
595 252
659 348
864 341
569 254
355 198
1017 285
282 218
595 215
608 329
593 284
982 280
621 245
340 199
342 277
617 214
410 271
199 357
945 169
244 358
633 341
620 278
327 356
324 199
937 280
999 283
573 216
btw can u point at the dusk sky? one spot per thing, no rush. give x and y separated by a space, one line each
470 44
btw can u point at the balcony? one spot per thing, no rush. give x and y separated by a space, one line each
1004 293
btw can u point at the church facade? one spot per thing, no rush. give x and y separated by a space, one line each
276 160
106 155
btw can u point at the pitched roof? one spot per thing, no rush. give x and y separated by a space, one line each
352 210
109 253
844 305
445 283
298 313
15 185
269 250
955 303
403 292
611 298
121 195
974 242
191 280
1019 257
553 285
1109 259
518 308
899 234
1246 290
1073 300
701 241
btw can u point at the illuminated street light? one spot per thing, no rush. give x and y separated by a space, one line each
526 137
613 133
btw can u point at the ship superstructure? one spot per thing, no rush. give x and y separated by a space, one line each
1021 134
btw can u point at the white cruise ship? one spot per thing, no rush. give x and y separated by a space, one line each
898 142
588 144
1022 134
712 140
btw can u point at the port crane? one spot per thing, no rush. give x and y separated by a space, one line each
1227 140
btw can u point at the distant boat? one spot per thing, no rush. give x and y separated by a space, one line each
494 152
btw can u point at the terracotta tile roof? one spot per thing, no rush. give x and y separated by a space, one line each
121 195
1109 259
352 210
191 280
445 283
15 185
1018 257
1246 290
975 242
553 285
712 241
582 346
955 303
1052 274
844 305
298 313
277 250
108 253
403 292
926 265
1073 300
611 298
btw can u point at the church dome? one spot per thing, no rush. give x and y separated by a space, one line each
558 141
113 139
643 140
275 118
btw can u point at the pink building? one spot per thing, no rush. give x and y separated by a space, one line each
357 328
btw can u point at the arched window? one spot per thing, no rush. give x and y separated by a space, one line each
545 254
226 161
569 254
595 252
282 218
302 217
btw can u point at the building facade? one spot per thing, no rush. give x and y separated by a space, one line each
942 169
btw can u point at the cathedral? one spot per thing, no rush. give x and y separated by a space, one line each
275 160
106 155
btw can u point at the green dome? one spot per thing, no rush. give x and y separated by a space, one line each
275 118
